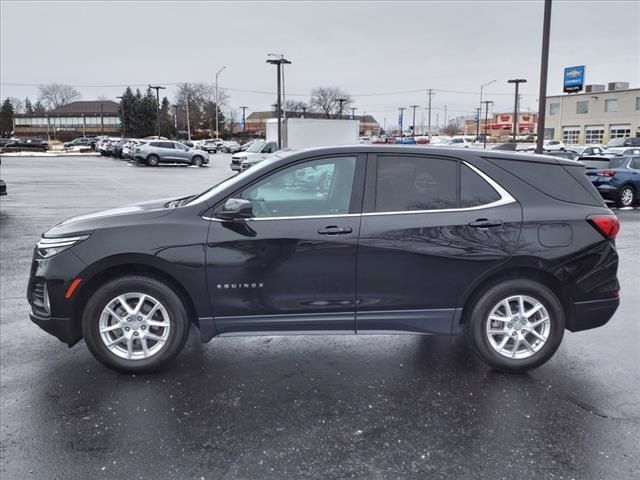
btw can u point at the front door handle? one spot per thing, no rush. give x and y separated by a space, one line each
485 223
333 230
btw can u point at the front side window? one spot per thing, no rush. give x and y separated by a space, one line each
256 147
318 187
407 183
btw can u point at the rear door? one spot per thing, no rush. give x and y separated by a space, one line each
166 151
430 227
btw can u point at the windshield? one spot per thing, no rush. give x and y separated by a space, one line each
230 181
256 147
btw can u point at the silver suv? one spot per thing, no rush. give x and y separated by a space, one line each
152 153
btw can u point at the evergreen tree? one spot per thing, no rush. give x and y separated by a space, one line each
6 119
28 107
127 112
166 119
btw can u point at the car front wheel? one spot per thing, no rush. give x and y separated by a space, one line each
135 324
626 197
197 161
516 325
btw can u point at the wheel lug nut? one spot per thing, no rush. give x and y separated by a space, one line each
513 334
135 334
523 330
509 326
139 318
126 329
143 327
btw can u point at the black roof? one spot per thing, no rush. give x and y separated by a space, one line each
87 107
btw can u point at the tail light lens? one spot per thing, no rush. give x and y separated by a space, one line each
607 173
607 225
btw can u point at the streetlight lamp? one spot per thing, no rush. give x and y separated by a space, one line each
517 81
216 113
481 88
278 62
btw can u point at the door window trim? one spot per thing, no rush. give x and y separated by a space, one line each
505 199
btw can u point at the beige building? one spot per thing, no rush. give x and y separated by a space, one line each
500 125
595 116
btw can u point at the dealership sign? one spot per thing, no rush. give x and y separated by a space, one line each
573 79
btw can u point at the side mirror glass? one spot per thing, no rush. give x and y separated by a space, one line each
235 209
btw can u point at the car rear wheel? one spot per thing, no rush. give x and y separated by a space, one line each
626 197
516 325
197 161
153 160
135 324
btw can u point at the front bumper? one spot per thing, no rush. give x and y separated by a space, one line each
592 314
236 167
61 328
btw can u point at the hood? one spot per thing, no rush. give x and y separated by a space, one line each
121 216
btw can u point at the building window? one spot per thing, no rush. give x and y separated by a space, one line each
582 107
554 108
637 104
549 133
611 105
570 134
619 131
594 134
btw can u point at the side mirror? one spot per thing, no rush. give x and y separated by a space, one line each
235 209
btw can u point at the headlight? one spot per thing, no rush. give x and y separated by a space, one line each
48 247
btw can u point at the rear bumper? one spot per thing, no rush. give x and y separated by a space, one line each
608 191
592 314
61 328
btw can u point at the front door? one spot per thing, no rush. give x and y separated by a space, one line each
293 266
431 226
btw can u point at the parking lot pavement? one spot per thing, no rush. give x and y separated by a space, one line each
325 407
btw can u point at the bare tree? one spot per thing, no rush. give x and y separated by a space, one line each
17 104
56 95
232 121
326 101
202 107
454 126
295 106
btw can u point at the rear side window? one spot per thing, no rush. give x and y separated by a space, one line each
474 190
406 183
562 182
635 163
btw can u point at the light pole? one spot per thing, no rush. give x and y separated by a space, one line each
216 93
157 88
401 118
175 119
244 122
413 126
186 97
122 117
340 101
430 93
517 81
353 113
544 67
101 120
486 120
481 88
278 62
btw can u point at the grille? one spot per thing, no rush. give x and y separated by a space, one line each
38 298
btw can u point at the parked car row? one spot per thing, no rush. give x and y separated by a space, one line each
30 145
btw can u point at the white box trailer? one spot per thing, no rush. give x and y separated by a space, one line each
300 133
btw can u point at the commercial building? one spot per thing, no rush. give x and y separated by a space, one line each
595 116
500 125
256 122
88 118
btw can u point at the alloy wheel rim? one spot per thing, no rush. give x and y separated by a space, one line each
134 326
518 327
627 196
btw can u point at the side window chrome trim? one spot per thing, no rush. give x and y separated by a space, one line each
505 199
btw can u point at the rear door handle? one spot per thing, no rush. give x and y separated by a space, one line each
485 223
333 230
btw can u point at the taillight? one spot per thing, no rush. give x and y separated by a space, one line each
607 225
607 173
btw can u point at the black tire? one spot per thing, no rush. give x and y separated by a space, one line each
178 319
626 197
153 160
197 161
478 315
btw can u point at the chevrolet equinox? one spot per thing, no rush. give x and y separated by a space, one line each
507 249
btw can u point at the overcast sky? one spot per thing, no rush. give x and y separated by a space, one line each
362 47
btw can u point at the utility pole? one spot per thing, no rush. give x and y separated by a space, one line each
481 88
122 117
413 126
486 119
84 126
445 116
544 67
101 119
478 114
340 101
401 118
157 88
430 93
517 81
278 62
175 119
217 106
353 113
304 111
244 121
186 96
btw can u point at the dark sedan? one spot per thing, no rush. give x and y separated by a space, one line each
617 178
28 145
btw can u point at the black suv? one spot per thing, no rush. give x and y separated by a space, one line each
509 249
